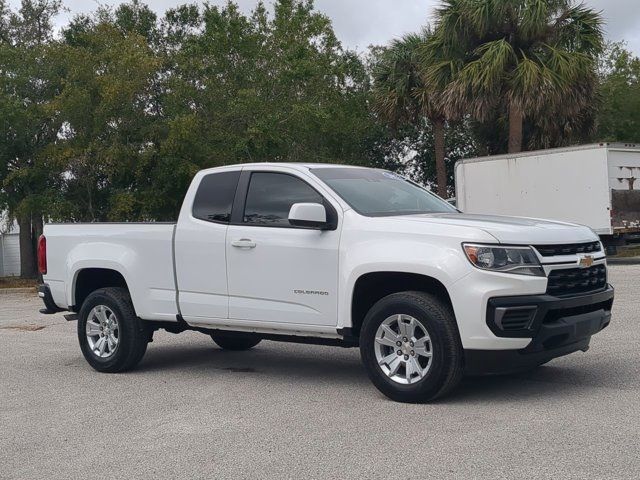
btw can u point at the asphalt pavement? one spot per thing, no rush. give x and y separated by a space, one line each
287 411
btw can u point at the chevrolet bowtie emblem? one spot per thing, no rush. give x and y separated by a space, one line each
585 261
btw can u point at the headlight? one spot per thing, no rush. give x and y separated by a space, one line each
519 260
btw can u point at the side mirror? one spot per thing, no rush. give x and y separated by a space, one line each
310 215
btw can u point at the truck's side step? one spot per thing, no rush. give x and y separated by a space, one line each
347 341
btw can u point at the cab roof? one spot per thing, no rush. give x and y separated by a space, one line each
300 166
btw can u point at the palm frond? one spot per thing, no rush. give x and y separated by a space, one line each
396 77
495 58
533 19
483 55
451 21
479 15
580 29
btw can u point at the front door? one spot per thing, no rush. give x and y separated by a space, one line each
277 272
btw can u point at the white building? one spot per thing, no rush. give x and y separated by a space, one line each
9 249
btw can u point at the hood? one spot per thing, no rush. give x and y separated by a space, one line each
514 230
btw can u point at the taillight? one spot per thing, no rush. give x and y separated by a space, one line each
42 254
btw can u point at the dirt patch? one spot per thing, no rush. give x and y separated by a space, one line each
24 328
16 282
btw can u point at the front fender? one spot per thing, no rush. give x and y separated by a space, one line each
405 255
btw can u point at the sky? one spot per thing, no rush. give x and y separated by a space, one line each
360 23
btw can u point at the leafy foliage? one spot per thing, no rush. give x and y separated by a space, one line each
29 125
128 106
411 151
618 117
530 58
258 88
402 96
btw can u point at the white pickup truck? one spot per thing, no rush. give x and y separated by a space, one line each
335 255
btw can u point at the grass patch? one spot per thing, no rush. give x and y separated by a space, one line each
627 252
17 282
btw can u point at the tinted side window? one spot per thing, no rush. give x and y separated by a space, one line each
214 197
271 195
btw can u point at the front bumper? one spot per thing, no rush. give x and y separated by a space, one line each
557 327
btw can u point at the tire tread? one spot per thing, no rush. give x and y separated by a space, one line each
453 368
133 326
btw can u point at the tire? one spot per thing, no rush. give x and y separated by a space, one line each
235 340
440 361
131 334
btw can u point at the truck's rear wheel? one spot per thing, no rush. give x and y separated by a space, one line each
235 340
410 346
111 336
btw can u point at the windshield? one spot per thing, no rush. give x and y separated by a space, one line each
380 193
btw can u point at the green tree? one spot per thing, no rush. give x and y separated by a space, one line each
410 150
619 112
28 80
520 57
402 97
257 87
107 104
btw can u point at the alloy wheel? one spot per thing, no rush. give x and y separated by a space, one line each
403 349
103 334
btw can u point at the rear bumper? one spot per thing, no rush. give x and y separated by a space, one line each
557 327
44 292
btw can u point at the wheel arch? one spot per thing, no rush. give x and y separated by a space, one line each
90 279
375 285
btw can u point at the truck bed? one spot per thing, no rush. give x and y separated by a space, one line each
141 252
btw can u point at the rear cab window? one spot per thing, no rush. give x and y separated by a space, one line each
214 198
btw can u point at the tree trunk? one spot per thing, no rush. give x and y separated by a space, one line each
38 228
515 128
27 256
441 169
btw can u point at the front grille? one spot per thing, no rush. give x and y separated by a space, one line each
567 249
570 281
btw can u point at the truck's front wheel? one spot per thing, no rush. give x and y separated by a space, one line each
112 338
410 345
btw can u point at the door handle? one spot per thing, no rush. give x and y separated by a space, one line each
243 243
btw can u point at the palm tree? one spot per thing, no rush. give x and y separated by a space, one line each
402 96
517 55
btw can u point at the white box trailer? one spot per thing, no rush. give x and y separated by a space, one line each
595 185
